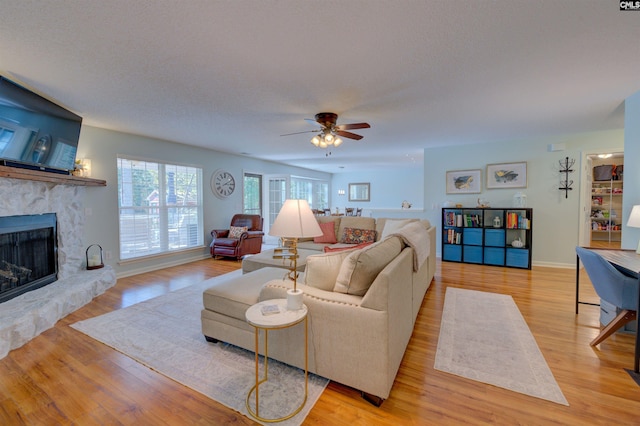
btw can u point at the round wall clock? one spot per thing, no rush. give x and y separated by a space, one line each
222 183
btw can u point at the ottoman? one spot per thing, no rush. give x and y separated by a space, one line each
225 304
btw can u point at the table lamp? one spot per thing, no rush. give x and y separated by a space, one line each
295 220
634 221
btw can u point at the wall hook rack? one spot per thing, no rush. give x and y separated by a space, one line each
566 168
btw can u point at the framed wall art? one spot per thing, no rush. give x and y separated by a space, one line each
464 181
507 175
359 191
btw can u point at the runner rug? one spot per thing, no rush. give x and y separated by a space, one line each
164 334
484 337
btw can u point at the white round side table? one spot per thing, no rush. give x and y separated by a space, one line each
283 319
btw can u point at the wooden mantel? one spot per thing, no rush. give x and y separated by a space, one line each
18 173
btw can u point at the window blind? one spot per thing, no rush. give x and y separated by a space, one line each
160 207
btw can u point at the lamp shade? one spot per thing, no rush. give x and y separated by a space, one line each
634 217
295 220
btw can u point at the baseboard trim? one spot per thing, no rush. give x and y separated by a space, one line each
182 261
540 264
554 265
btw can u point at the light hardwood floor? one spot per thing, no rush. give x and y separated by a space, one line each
64 377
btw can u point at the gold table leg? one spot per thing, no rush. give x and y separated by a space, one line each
259 381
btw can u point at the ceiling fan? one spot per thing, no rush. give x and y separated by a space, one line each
329 132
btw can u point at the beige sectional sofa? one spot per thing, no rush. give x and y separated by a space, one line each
362 305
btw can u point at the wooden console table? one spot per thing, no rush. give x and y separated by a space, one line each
628 262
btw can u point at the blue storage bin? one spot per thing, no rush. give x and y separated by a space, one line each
494 237
472 236
452 252
472 254
494 256
518 257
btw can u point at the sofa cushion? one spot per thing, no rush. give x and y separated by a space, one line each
332 219
392 225
322 269
233 297
356 222
237 231
361 267
358 236
328 233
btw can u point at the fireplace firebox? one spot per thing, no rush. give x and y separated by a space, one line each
28 253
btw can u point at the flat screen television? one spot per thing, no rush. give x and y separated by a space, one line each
36 133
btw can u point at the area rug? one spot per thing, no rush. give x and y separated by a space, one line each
164 334
484 337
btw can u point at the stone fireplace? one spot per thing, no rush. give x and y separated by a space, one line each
28 314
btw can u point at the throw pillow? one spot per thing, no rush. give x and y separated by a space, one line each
391 226
237 231
328 249
322 269
361 267
358 236
328 234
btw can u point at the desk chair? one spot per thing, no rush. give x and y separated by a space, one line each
612 286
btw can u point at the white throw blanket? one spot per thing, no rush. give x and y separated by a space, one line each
416 236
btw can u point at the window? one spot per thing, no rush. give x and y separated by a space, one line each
5 137
160 207
252 194
316 192
267 199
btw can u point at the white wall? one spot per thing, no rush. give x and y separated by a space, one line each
555 229
102 147
555 219
630 236
389 188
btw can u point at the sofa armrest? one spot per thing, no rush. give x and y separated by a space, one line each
254 234
220 233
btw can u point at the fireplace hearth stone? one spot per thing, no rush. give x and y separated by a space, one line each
26 316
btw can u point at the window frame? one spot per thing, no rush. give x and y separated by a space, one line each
246 207
169 227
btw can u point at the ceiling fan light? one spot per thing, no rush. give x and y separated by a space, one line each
337 142
315 140
323 144
328 138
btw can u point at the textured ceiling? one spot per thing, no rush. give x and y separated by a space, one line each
235 75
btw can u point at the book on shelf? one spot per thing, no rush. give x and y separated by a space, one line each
452 219
516 221
453 237
472 220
